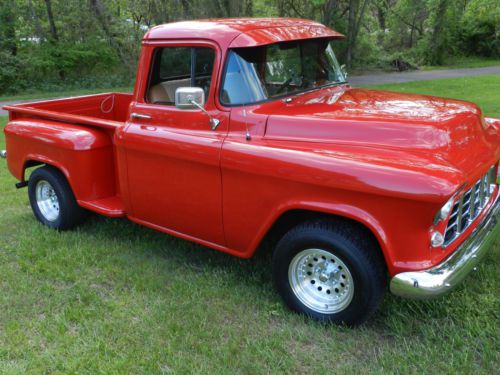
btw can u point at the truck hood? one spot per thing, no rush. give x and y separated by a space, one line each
450 131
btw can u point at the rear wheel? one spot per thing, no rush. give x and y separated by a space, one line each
330 271
52 200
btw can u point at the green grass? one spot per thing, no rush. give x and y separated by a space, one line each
114 297
452 63
59 94
464 62
483 90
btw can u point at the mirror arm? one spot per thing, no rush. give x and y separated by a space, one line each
213 121
199 106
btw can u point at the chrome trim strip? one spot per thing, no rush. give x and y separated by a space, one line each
460 214
473 203
448 274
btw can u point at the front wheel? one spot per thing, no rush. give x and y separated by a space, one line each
330 271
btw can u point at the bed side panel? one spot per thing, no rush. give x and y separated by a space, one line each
84 155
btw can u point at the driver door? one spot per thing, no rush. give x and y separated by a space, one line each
173 156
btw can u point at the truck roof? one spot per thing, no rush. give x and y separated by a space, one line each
242 32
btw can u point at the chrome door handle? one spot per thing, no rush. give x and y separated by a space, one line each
138 115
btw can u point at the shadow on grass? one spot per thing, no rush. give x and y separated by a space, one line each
395 316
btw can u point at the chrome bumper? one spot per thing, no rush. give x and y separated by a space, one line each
448 274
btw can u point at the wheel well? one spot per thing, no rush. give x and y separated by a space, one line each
36 163
30 164
292 218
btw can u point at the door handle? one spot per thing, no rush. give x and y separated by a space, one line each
138 115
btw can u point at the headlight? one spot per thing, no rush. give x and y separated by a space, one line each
444 212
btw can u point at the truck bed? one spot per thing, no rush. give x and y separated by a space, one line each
107 110
54 132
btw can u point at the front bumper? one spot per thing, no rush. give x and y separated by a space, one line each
448 274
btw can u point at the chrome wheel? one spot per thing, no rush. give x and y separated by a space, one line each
321 281
46 200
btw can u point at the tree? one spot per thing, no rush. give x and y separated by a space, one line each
437 40
35 19
356 12
106 23
54 43
8 40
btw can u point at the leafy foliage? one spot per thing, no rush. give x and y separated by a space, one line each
480 34
50 44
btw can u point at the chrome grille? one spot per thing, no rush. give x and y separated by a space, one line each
469 206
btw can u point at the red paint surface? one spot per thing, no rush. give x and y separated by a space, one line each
386 160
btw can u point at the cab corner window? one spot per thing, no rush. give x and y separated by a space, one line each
174 67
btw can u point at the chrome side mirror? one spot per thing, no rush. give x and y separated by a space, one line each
188 97
193 98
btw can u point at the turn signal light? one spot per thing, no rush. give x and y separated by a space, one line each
437 239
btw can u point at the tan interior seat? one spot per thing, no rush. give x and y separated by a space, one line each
164 92
157 95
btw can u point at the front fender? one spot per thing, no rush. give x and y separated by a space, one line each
348 211
392 193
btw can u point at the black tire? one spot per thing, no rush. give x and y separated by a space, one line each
352 247
70 214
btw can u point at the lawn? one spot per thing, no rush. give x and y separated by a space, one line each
455 62
63 93
114 297
483 90
464 62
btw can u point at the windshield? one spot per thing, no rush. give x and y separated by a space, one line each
262 73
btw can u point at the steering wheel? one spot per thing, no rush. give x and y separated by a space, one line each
284 85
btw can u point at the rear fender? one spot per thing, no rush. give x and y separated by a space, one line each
84 155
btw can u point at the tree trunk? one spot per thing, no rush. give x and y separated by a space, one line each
436 57
350 32
8 28
381 17
53 30
249 8
105 26
281 8
327 11
185 9
234 8
36 20
54 37
360 19
412 31
354 24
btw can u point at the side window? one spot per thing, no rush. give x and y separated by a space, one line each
174 67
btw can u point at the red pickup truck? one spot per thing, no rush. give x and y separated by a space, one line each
240 130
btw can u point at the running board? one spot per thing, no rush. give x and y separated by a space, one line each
110 206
